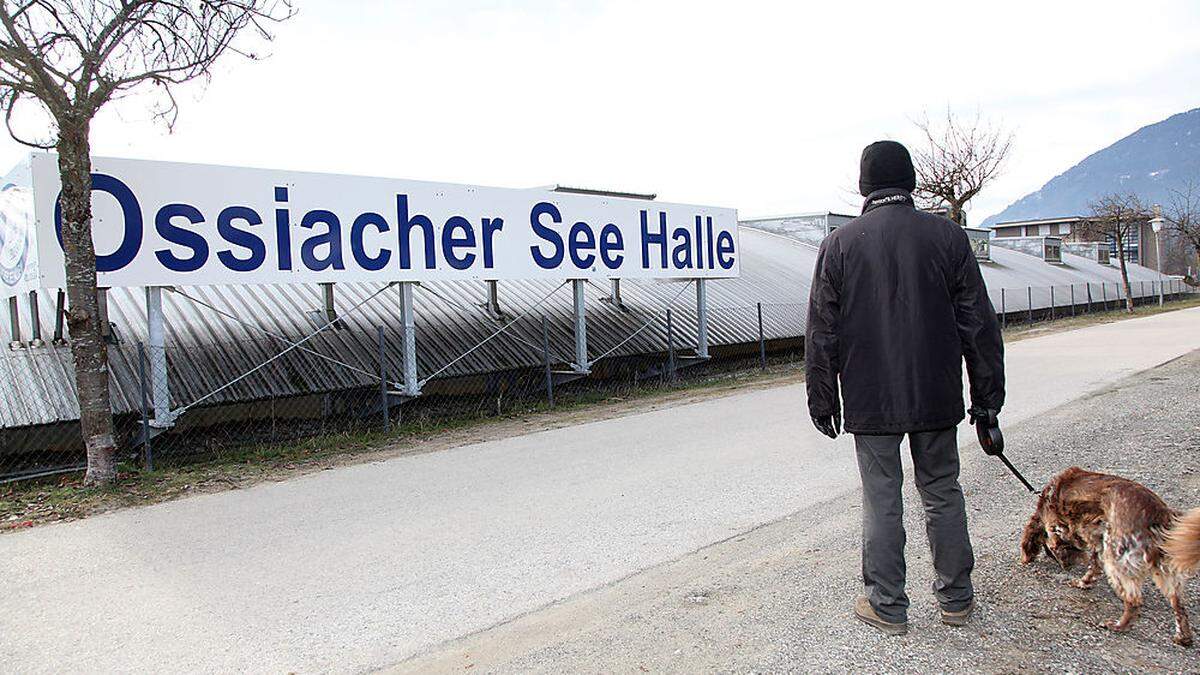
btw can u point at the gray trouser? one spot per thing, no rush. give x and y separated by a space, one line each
935 462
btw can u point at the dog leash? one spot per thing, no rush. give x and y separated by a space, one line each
1016 473
987 427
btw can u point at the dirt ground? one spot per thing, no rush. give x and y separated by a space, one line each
778 599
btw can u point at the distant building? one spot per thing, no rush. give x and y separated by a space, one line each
981 243
1044 227
943 211
810 228
1139 248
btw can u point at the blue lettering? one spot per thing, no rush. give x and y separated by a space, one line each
611 243
545 232
244 238
582 239
182 237
724 249
357 231
659 238
131 211
490 227
283 229
450 242
681 255
404 230
331 238
709 240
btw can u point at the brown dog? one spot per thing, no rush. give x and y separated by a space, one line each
1125 529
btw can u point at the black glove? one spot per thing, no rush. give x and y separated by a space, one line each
830 425
987 427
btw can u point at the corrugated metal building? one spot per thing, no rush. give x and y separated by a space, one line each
217 334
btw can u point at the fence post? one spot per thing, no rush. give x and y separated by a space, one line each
383 389
670 348
1030 289
1051 302
1072 299
546 361
762 343
147 452
1003 311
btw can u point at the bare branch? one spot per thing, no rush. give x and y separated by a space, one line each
958 161
1116 217
9 103
1183 214
76 55
72 57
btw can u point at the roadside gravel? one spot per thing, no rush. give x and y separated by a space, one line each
778 598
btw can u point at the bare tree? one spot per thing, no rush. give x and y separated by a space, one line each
1117 218
68 58
959 159
1183 217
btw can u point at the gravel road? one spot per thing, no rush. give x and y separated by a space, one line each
778 598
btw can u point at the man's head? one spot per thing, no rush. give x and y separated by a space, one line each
885 164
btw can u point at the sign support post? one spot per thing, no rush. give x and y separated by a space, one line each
14 321
581 364
412 387
159 386
701 318
35 322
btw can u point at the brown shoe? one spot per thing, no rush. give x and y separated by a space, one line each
866 613
958 618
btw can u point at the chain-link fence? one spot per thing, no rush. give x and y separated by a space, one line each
344 384
271 392
1027 304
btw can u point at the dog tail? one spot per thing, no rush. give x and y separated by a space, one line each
1182 544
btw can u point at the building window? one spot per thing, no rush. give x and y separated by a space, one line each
1132 246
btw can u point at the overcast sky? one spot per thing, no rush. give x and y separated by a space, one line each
761 106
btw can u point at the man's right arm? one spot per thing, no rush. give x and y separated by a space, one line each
978 330
821 337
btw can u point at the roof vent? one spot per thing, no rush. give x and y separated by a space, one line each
647 196
1095 251
1046 248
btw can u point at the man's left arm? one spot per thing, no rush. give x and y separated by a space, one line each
978 331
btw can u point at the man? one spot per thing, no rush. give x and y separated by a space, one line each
897 304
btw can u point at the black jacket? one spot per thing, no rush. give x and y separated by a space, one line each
897 304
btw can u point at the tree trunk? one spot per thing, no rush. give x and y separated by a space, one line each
88 349
1124 274
956 212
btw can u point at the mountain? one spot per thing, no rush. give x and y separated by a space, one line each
1149 162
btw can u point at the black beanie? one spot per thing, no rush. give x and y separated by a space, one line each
885 164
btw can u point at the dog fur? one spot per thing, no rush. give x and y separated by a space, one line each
1123 529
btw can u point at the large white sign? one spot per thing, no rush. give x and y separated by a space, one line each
165 223
18 245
